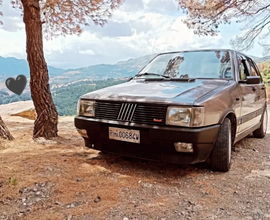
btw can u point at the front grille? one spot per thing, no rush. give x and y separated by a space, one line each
107 110
149 114
131 112
126 112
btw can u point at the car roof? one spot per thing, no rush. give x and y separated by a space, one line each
201 50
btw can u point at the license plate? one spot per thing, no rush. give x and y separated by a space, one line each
127 135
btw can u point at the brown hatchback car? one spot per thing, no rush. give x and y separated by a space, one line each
183 107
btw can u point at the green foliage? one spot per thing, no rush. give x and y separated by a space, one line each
5 98
266 75
265 71
65 97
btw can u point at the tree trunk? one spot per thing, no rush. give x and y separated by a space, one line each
47 116
4 133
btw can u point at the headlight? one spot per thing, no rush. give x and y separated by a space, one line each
187 117
86 108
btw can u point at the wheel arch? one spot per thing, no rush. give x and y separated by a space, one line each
230 114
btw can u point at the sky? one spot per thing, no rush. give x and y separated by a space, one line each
137 28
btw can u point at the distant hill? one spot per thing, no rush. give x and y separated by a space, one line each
256 59
104 71
262 59
68 85
259 59
11 66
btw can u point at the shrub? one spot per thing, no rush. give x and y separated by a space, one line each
268 93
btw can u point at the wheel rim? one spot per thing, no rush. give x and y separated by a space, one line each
230 144
265 122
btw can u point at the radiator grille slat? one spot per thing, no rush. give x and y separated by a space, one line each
131 112
126 112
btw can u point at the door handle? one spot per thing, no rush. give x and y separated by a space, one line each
253 89
263 88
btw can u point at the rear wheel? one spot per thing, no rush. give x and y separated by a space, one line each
261 131
220 158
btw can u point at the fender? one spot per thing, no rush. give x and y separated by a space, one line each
225 114
234 128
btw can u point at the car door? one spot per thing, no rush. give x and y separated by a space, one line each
251 100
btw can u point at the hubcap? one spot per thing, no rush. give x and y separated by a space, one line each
230 144
265 119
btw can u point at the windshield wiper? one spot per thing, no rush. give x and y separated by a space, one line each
153 74
172 79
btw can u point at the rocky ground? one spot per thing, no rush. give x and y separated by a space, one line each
61 179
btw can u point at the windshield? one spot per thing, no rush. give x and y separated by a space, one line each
198 64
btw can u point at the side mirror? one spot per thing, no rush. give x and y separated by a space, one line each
130 78
251 80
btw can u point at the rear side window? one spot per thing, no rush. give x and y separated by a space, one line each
247 67
253 71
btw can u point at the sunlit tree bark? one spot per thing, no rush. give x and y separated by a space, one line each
4 133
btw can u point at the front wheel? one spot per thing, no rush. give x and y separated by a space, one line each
261 131
220 158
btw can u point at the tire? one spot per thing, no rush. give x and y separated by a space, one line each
220 158
261 131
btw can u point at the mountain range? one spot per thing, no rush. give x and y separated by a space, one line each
12 67
68 85
104 71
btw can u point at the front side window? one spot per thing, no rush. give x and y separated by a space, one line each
197 64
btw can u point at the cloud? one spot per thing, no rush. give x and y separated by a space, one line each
12 44
133 5
162 6
112 29
12 18
89 52
138 28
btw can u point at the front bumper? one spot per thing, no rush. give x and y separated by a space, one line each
157 142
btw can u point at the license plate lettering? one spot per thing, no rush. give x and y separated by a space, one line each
127 135
113 134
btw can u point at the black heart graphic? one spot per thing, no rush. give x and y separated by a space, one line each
17 86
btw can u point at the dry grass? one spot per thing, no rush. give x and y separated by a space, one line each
126 187
29 114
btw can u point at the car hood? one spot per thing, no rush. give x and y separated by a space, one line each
169 92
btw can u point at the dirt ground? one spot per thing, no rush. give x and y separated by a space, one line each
62 179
